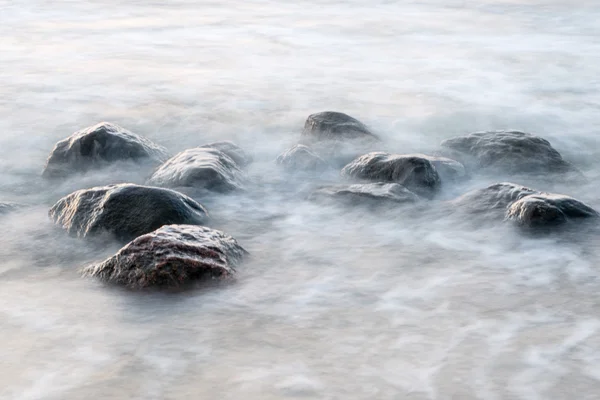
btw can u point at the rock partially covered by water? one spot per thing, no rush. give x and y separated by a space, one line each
548 209
125 210
171 257
365 194
511 152
235 152
492 199
301 158
99 146
200 167
447 168
331 125
414 172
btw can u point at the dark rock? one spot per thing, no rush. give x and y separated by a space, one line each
171 257
200 167
511 152
99 146
415 173
447 168
301 158
492 199
125 210
547 209
331 125
232 150
368 193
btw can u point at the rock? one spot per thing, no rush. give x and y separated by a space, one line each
548 209
99 146
301 158
199 167
171 257
415 173
494 198
447 168
511 152
125 210
368 193
232 150
331 125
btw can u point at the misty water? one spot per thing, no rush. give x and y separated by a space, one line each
334 303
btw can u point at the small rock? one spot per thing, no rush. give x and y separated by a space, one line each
415 173
200 167
494 198
512 152
547 209
232 150
125 210
301 158
171 257
366 194
99 146
331 125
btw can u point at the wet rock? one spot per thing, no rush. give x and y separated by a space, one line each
301 158
414 172
492 199
171 257
447 168
99 146
331 125
232 150
125 210
511 152
548 209
365 194
200 167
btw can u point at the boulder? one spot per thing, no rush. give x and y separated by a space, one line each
365 194
232 150
301 158
200 167
447 168
125 210
170 257
492 199
99 146
548 209
510 152
331 125
414 172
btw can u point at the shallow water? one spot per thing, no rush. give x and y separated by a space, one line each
333 303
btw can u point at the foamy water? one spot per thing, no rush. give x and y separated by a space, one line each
334 303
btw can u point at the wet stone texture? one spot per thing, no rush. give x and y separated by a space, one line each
233 151
170 257
200 167
301 158
414 172
98 146
125 210
371 194
332 125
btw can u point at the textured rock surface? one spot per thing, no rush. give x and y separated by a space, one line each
494 198
331 125
200 167
547 209
170 257
301 158
413 172
368 193
447 168
126 210
98 146
512 152
235 152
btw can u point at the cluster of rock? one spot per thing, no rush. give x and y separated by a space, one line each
169 244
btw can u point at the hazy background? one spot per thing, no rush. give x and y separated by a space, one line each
334 303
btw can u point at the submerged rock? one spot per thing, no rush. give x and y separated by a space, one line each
548 209
301 158
99 146
235 152
6 207
200 167
511 152
170 257
365 194
414 172
125 210
332 125
524 206
447 168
